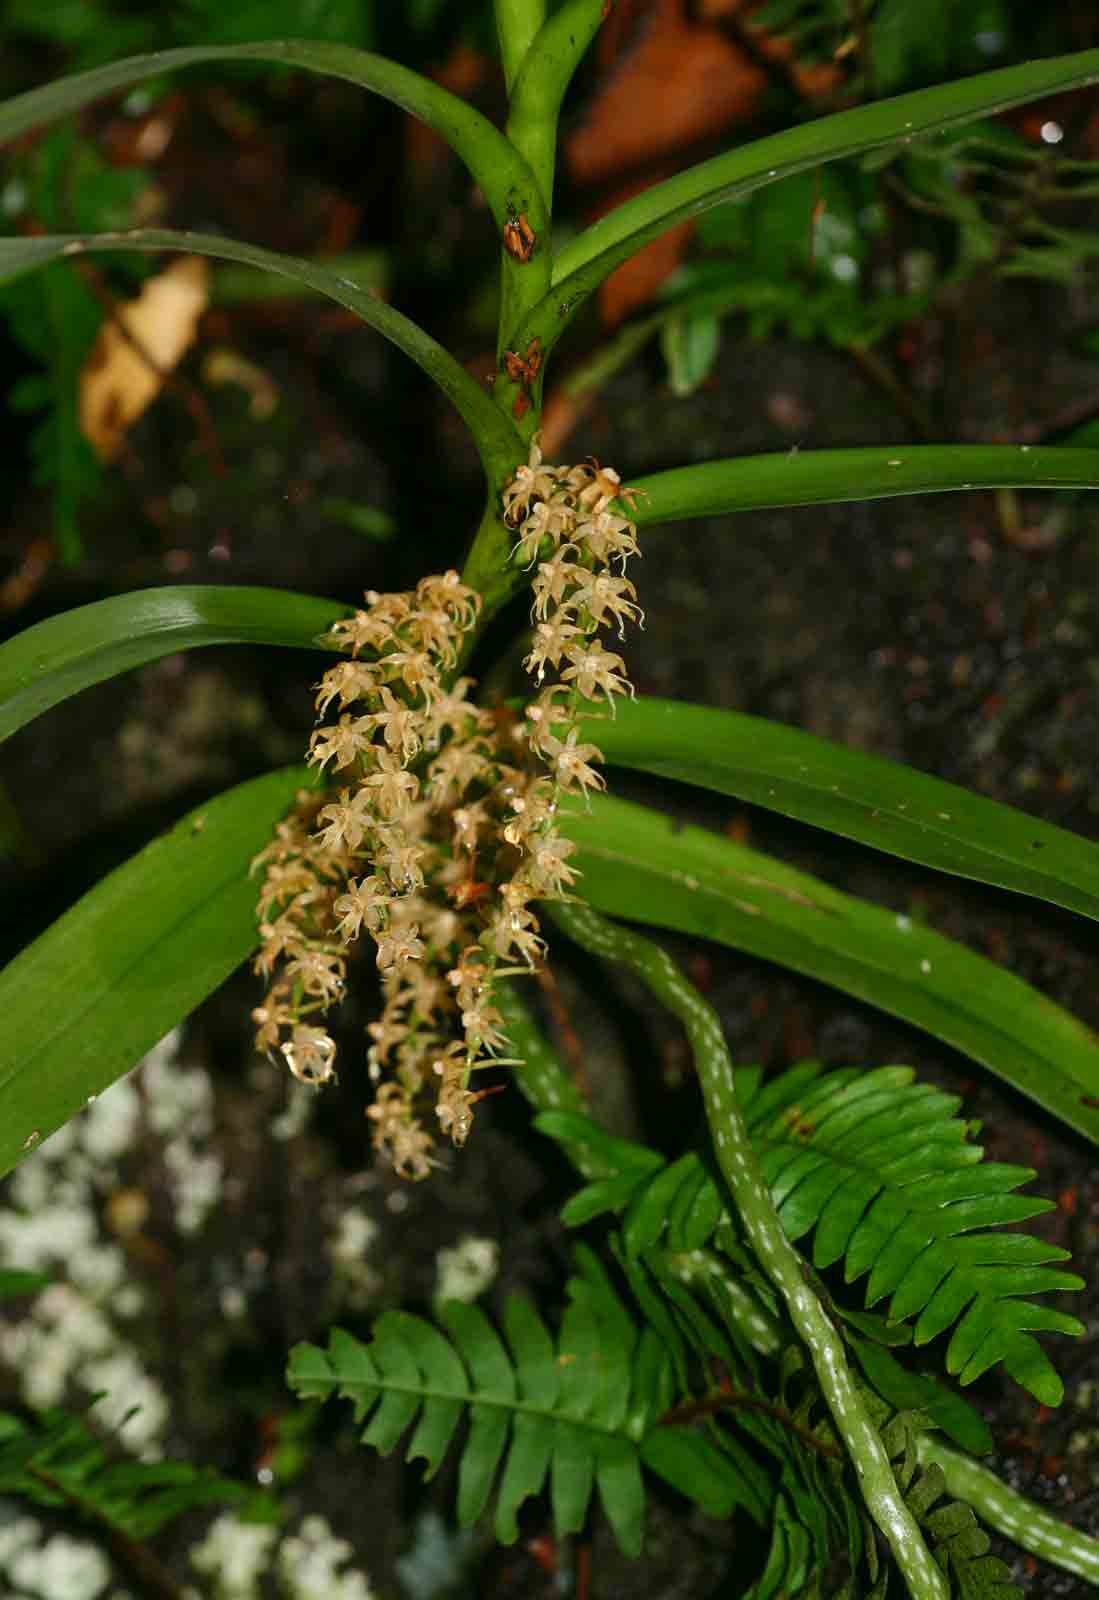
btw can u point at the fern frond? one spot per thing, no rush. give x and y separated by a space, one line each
583 1410
960 1545
57 1461
879 1168
770 1424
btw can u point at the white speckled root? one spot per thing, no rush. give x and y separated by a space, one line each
776 1255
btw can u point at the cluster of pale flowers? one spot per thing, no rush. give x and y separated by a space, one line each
440 831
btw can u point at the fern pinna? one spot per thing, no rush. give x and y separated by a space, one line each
890 1182
56 1461
583 1410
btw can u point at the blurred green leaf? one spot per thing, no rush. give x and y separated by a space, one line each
14 1283
350 22
367 520
56 317
92 32
55 1460
792 255
690 344
912 45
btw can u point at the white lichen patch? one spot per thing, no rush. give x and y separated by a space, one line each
466 1271
311 1564
67 1214
56 1568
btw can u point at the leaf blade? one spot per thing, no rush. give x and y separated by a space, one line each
59 657
820 477
130 959
583 264
493 161
863 797
644 866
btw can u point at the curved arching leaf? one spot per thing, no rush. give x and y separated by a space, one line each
57 658
863 797
647 867
590 257
88 998
498 443
816 477
495 163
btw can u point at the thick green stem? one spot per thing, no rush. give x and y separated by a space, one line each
517 23
525 258
539 88
1012 1514
488 569
538 70
773 1250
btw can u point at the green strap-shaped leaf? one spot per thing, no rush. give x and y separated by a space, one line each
57 658
816 477
493 161
584 263
497 441
85 1001
647 867
863 797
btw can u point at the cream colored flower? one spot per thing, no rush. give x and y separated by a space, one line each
310 1054
593 670
551 640
394 949
342 744
320 972
348 681
362 906
392 786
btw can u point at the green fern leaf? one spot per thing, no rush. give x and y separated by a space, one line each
959 1543
582 1411
55 1460
881 1171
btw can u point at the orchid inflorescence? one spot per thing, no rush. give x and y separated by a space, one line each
441 831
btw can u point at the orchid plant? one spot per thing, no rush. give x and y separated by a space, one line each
456 831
